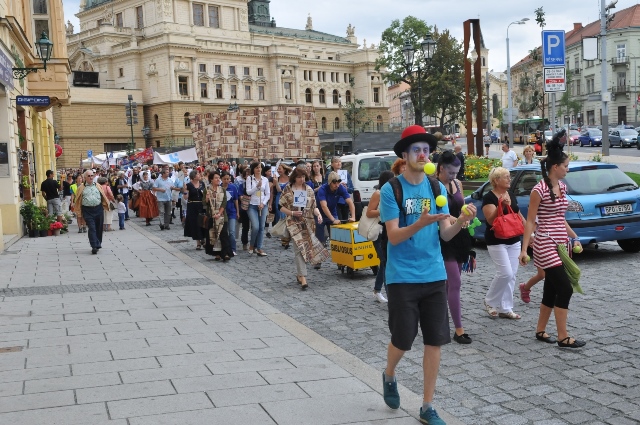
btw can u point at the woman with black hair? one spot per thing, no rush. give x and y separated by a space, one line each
549 203
456 251
380 244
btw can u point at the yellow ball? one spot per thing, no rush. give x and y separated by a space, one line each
429 168
527 258
441 201
465 209
577 249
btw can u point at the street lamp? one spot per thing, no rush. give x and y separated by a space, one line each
428 48
509 100
44 48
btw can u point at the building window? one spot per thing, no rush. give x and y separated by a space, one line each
346 79
319 75
321 96
287 91
186 120
310 75
379 123
198 15
217 69
203 90
307 95
484 63
576 63
246 71
347 96
621 49
247 92
336 97
376 95
336 124
218 91
183 86
157 143
40 7
214 20
232 70
119 21
120 72
306 75
578 88
333 77
323 123
260 92
203 67
40 26
260 72
234 94
139 18
156 122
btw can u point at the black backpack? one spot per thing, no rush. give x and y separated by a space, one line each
397 191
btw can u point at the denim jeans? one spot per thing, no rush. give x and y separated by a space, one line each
257 219
121 220
126 204
320 233
380 245
94 217
232 223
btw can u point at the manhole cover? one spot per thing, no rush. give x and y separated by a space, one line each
10 349
179 241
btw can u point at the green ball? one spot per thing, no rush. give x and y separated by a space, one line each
577 249
528 258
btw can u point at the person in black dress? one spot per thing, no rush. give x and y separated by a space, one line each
195 189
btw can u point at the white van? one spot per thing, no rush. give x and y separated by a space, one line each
365 168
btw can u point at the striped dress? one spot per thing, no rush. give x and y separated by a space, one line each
551 227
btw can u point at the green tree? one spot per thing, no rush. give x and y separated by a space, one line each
567 104
356 115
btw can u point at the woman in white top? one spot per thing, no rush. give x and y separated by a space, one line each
258 189
529 156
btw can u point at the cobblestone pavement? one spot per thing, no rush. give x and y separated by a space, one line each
505 376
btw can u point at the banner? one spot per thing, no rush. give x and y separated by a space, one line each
142 157
187 155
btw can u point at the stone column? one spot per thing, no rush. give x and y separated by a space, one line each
172 77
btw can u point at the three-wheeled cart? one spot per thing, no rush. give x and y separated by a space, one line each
350 251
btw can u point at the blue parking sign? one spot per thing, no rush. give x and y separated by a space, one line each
553 48
89 154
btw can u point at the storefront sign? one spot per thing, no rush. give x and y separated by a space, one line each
6 74
33 100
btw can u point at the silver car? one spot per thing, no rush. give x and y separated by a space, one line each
623 138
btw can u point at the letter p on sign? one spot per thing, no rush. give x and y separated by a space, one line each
553 48
554 41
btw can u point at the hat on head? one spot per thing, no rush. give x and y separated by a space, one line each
413 134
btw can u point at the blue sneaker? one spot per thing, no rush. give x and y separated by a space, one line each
390 393
430 417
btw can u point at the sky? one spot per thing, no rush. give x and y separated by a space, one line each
371 17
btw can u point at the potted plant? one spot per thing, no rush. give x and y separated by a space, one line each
43 225
55 227
29 212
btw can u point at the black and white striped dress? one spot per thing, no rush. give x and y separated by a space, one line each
551 229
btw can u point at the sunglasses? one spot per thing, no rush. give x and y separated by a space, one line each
90 175
336 181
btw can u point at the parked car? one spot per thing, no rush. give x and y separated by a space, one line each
591 137
623 138
495 136
603 202
574 137
365 168
624 126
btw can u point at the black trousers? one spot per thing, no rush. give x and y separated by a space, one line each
557 288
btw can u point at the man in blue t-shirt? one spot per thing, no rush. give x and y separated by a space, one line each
328 197
415 272
342 207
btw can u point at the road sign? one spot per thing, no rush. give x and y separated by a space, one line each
555 80
33 100
89 154
506 112
553 48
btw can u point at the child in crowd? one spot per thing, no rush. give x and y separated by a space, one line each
122 209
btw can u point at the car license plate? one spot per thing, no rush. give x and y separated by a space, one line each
617 209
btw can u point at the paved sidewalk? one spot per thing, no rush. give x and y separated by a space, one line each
144 334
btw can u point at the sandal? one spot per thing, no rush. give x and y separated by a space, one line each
525 295
217 258
510 315
199 247
490 310
575 344
548 339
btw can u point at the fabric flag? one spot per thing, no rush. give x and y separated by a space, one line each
144 156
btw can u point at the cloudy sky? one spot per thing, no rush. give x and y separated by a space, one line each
371 17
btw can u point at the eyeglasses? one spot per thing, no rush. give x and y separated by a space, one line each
336 181
90 175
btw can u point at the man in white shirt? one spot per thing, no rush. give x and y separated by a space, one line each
509 158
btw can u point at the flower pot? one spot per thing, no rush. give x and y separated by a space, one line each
56 232
33 233
43 233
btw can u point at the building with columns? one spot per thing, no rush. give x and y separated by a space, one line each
27 132
189 57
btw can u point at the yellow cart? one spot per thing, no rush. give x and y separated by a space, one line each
350 251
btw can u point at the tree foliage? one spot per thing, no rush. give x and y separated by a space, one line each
531 96
355 115
567 104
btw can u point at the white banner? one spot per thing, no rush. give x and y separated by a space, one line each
188 155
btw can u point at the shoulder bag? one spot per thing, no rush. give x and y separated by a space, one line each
509 225
369 228
245 199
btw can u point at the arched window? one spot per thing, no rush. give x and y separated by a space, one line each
336 124
323 123
156 122
347 96
307 95
186 120
483 61
322 96
379 124
336 97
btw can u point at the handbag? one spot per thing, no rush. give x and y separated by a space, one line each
204 221
509 225
270 218
280 229
112 206
369 228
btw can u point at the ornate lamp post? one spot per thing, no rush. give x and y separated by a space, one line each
44 48
428 48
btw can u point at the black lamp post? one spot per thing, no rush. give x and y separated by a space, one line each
44 48
428 47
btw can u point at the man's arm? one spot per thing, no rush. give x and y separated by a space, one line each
352 209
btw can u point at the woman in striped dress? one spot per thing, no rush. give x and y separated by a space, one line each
549 203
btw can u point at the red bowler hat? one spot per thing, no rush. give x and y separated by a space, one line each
413 134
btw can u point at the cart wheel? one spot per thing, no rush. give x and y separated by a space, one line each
375 269
350 272
341 268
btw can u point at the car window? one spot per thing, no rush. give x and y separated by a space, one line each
369 169
528 179
598 180
628 133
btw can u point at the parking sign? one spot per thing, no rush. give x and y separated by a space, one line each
553 48
89 154
555 80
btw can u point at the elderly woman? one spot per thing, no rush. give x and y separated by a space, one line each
146 201
529 156
504 252
82 226
215 203
298 204
108 213
194 201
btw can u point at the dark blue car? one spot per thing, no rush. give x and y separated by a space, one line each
604 203
590 137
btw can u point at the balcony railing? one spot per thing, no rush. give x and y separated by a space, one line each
620 60
619 89
576 71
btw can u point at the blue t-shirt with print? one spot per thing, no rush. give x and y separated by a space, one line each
418 259
232 195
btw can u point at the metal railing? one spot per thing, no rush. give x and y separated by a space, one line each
620 88
620 60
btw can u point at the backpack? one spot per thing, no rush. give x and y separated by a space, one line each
397 191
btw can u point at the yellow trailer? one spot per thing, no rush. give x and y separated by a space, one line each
351 251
